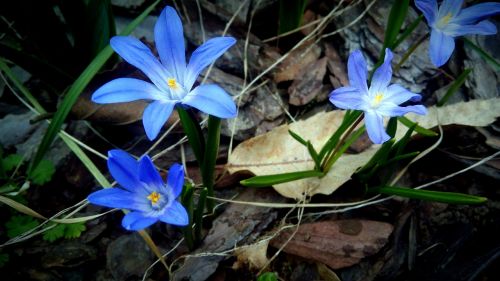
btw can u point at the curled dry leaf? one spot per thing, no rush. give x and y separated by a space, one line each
254 255
336 243
277 152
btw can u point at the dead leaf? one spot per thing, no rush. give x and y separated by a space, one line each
277 152
308 84
338 244
296 61
254 255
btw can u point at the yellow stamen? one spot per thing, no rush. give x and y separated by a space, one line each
378 98
444 20
154 197
172 83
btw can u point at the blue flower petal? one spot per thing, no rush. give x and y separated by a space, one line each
148 173
125 90
169 39
205 55
112 198
348 98
176 214
383 74
482 28
211 99
175 179
137 221
429 8
450 7
357 71
155 115
124 169
374 124
441 47
390 109
477 13
396 94
139 55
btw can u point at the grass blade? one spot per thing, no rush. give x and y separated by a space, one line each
210 157
265 181
454 86
487 57
193 132
429 195
421 130
76 89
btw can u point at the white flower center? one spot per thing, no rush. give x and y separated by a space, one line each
376 100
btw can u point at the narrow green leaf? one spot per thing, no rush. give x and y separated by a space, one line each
379 157
210 157
396 18
407 32
402 157
487 57
290 14
76 89
455 86
331 143
343 148
5 69
423 131
91 167
198 214
428 195
269 180
314 156
187 202
193 132
399 147
3 175
297 137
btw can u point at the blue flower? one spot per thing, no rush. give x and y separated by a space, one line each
450 20
144 193
172 79
380 100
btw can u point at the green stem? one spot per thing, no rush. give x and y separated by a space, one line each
343 148
330 155
210 157
410 51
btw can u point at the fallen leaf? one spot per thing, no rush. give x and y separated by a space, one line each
337 244
254 255
277 152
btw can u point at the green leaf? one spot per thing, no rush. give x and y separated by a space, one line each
76 89
210 157
193 132
19 224
42 173
331 143
423 131
3 175
297 137
268 276
455 86
269 180
54 233
487 57
198 214
290 14
396 19
407 32
428 195
314 156
74 230
11 162
343 148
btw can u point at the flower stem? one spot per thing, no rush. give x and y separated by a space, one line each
410 51
327 163
210 157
